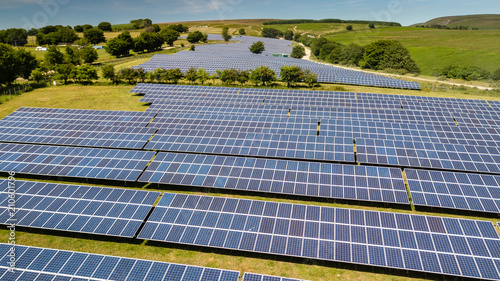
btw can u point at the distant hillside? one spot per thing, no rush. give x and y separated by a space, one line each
472 21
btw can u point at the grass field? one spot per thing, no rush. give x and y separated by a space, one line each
107 97
472 21
435 48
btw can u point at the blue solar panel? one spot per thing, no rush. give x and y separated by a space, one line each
79 162
279 176
252 144
47 264
98 210
429 155
411 242
455 190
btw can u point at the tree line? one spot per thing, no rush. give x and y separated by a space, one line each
262 75
299 21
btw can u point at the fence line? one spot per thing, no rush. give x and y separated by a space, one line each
14 91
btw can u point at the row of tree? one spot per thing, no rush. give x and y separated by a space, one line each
299 21
15 63
468 73
263 75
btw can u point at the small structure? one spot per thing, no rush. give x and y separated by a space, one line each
98 47
41 48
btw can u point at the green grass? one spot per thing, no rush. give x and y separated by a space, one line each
472 21
118 98
434 49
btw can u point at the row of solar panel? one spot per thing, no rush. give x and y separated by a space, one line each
35 263
278 176
417 243
143 88
96 210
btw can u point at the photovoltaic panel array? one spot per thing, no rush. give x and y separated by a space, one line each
32 115
449 246
88 209
112 164
455 190
429 155
39 264
260 277
79 135
250 144
279 176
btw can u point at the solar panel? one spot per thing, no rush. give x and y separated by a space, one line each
455 190
78 208
449 246
79 135
279 176
111 164
251 144
429 155
80 116
259 277
35 263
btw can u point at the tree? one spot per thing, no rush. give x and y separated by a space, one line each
141 74
204 39
384 54
129 74
194 37
9 68
14 36
192 48
175 75
349 28
169 36
352 54
317 44
310 78
89 54
85 73
225 34
288 35
257 47
87 26
53 57
37 75
72 55
291 74
191 75
243 76
242 31
228 76
178 27
496 75
27 62
108 72
65 71
298 52
262 74
297 37
94 35
78 28
271 32
148 41
121 45
105 26
371 26
202 75
159 74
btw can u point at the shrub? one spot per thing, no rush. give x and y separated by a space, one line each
257 47
298 52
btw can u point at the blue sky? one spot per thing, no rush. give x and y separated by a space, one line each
37 13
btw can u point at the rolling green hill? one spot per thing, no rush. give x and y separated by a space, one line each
472 21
